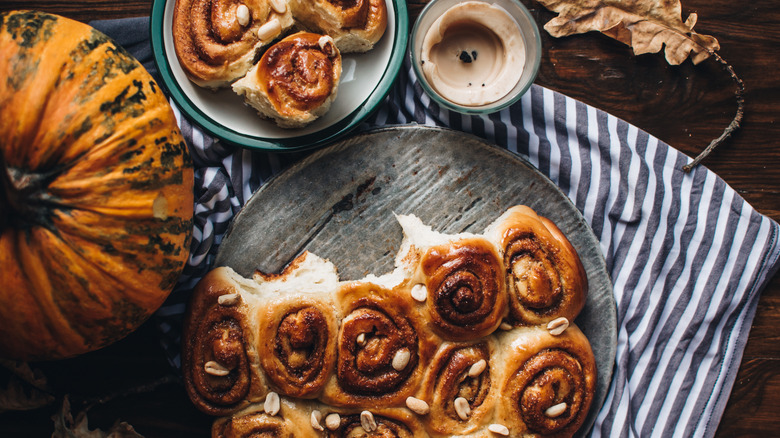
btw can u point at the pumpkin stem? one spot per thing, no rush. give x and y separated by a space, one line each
23 198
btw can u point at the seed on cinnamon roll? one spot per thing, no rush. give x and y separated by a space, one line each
216 41
548 381
379 423
466 292
292 420
378 352
355 25
218 356
298 347
295 81
458 388
544 275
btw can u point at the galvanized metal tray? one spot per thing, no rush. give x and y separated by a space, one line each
339 203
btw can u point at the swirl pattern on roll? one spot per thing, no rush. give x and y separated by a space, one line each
298 351
425 350
215 362
384 427
355 25
378 348
216 40
453 375
545 278
301 72
466 292
549 381
295 81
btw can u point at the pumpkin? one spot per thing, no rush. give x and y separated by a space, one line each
96 190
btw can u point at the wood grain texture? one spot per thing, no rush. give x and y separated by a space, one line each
685 106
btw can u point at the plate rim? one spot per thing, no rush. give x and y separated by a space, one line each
288 144
601 264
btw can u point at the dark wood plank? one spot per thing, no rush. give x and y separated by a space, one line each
685 106
84 10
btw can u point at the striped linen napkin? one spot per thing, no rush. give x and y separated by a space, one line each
688 256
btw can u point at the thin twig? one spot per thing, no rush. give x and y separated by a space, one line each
735 122
143 388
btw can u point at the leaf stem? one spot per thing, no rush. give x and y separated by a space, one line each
735 122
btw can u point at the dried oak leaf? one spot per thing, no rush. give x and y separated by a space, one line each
646 26
24 388
65 426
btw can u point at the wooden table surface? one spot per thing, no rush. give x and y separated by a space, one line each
685 106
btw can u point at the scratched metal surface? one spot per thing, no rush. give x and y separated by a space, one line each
339 202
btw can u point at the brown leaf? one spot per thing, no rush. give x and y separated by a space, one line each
25 388
645 25
66 427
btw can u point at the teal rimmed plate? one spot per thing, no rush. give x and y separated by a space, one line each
366 80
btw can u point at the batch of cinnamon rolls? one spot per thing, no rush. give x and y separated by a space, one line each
470 335
282 56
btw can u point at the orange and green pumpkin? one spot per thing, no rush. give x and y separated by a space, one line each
95 190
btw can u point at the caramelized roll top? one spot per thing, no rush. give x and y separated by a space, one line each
299 72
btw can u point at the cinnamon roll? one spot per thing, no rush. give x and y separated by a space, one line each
466 292
216 41
548 381
295 81
379 423
355 25
219 360
459 388
298 335
378 352
414 352
288 419
545 278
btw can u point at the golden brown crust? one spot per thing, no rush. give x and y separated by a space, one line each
390 423
392 360
295 81
298 344
292 421
217 362
448 378
355 25
545 277
212 45
542 371
375 329
466 291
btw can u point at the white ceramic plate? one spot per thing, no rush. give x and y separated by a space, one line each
366 80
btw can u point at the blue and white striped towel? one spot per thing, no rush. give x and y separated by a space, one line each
687 255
